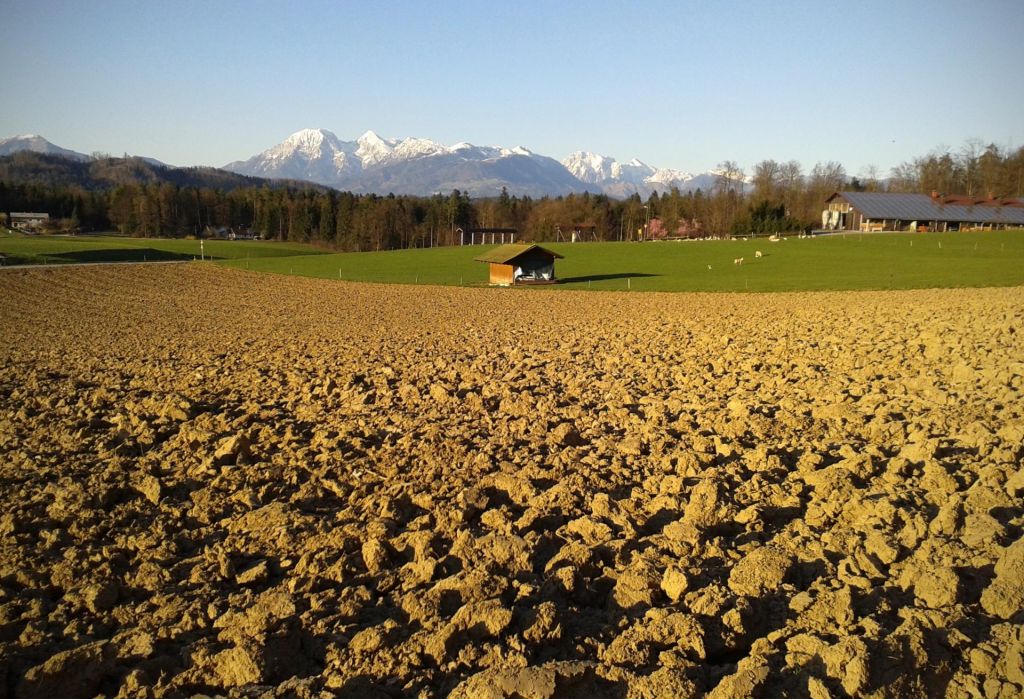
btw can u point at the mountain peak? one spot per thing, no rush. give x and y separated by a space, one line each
592 168
418 148
37 144
311 137
373 149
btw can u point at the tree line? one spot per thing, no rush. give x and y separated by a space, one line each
775 197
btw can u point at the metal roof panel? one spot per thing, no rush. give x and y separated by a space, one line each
921 207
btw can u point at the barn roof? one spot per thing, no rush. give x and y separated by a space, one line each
921 207
505 254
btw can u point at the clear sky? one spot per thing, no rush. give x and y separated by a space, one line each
683 84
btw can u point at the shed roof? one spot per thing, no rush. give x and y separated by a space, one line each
505 254
921 207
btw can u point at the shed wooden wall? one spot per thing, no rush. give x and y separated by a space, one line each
501 274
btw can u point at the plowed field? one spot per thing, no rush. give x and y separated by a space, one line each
220 482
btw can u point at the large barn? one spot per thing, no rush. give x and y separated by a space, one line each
28 220
884 211
520 264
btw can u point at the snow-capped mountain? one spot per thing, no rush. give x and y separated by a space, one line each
37 144
591 167
316 155
421 166
409 166
372 149
618 179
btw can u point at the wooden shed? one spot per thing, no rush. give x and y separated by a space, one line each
520 264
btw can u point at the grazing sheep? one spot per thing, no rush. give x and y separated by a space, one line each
757 254
738 261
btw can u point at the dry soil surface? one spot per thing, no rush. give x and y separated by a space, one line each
216 482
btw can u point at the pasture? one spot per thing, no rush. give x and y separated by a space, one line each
47 249
834 262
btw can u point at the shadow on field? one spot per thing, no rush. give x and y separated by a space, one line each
605 277
119 255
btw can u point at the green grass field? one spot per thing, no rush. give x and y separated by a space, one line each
44 249
853 261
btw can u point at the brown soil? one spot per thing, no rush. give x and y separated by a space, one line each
225 483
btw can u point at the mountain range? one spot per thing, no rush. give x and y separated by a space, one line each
416 166
420 166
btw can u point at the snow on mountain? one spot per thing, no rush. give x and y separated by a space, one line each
518 150
408 166
424 166
669 177
372 149
316 155
37 144
634 172
622 179
590 167
417 148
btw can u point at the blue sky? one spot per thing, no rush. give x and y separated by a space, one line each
679 84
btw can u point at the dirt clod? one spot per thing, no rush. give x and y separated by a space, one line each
227 484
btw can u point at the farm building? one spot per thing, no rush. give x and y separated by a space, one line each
520 264
469 235
26 221
883 211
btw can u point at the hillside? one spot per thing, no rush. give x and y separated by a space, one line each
46 170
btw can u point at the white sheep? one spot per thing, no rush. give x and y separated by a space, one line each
757 254
738 261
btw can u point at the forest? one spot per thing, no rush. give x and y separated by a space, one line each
773 197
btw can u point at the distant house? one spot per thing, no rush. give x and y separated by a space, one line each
885 211
685 228
27 221
520 264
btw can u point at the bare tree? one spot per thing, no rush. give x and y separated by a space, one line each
791 180
830 175
904 177
869 178
729 177
728 196
767 177
993 172
967 164
938 171
825 179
